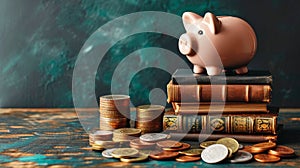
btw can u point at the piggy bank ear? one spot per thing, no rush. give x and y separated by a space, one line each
189 18
213 23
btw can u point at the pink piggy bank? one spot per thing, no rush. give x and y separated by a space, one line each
217 43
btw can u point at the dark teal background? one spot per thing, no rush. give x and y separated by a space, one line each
40 41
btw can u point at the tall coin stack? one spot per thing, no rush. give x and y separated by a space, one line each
149 118
114 112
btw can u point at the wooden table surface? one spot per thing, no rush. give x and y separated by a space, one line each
55 138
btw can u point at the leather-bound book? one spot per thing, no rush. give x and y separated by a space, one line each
221 124
219 93
187 77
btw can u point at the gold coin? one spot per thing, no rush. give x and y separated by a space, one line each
192 152
127 131
105 143
207 143
124 152
139 158
229 143
229 153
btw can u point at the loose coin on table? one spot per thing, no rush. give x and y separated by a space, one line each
187 158
266 158
107 153
214 153
207 143
169 144
163 155
153 137
139 158
241 156
253 150
191 152
124 152
138 144
264 146
229 143
282 151
184 146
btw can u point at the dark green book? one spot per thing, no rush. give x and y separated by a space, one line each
187 77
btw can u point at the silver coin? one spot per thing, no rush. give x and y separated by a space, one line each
241 156
241 146
107 153
214 153
152 137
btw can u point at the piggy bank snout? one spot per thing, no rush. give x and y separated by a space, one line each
185 44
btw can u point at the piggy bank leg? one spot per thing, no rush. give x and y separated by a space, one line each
198 69
242 70
213 70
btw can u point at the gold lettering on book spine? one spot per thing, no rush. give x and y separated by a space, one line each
171 123
265 125
241 124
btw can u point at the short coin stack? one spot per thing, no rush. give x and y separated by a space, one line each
114 112
126 134
100 140
149 118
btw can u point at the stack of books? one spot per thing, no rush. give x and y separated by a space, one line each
227 105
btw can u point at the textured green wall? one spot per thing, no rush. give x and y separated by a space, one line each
40 41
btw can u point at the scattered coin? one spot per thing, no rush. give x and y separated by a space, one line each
241 146
187 158
191 152
214 153
138 144
163 155
229 143
229 153
107 153
153 137
140 157
264 146
100 135
207 143
282 151
184 146
241 156
253 150
97 148
169 144
266 158
124 152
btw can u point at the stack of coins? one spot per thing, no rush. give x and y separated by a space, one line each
149 118
99 135
126 134
114 112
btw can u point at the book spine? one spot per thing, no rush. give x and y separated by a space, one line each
229 124
232 107
217 93
214 137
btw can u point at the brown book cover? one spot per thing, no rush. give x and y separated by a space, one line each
228 124
214 137
217 93
217 107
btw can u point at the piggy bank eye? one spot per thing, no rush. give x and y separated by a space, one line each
200 32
